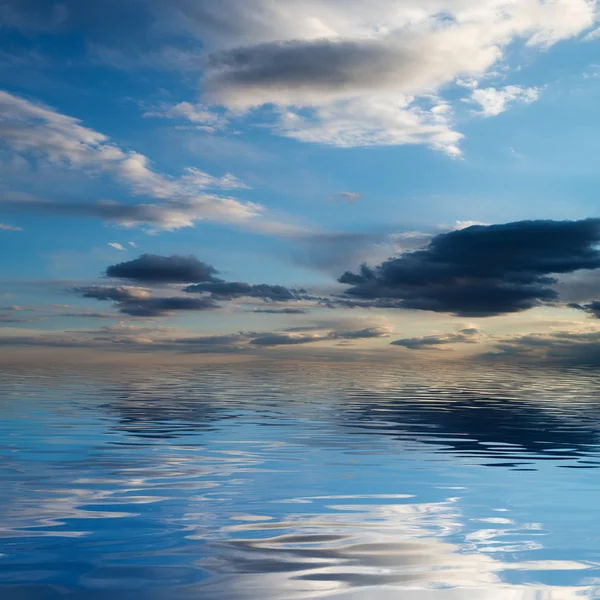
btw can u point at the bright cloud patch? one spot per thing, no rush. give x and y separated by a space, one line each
358 74
495 101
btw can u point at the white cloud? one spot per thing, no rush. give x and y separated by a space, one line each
199 114
593 72
465 224
356 73
38 131
117 246
132 244
494 101
383 121
168 216
6 227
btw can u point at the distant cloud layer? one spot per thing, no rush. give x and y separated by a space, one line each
481 270
469 335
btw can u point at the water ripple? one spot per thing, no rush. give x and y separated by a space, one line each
264 481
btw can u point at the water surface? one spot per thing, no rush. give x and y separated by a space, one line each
314 481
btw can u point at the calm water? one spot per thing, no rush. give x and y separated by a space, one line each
315 481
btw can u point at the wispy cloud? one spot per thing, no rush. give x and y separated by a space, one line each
6 227
39 131
117 246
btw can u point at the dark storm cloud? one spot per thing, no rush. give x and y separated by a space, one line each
228 290
480 270
151 268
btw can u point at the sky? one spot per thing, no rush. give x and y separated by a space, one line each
308 178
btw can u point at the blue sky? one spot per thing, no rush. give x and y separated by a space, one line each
285 144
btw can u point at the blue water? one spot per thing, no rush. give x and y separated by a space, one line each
355 481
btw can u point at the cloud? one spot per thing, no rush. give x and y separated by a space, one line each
494 101
308 72
132 244
575 346
291 338
592 308
280 311
236 289
385 121
5 227
10 319
117 294
162 307
350 197
592 35
168 216
480 270
213 340
198 114
138 302
286 339
348 73
337 76
40 132
469 335
117 246
154 269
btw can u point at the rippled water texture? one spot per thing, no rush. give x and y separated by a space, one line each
340 481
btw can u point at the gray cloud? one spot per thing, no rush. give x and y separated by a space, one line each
315 66
154 269
172 215
291 338
469 335
224 290
138 302
10 319
480 270
561 347
285 339
161 307
281 311
592 308
115 293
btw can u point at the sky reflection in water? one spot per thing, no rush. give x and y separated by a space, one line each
314 481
